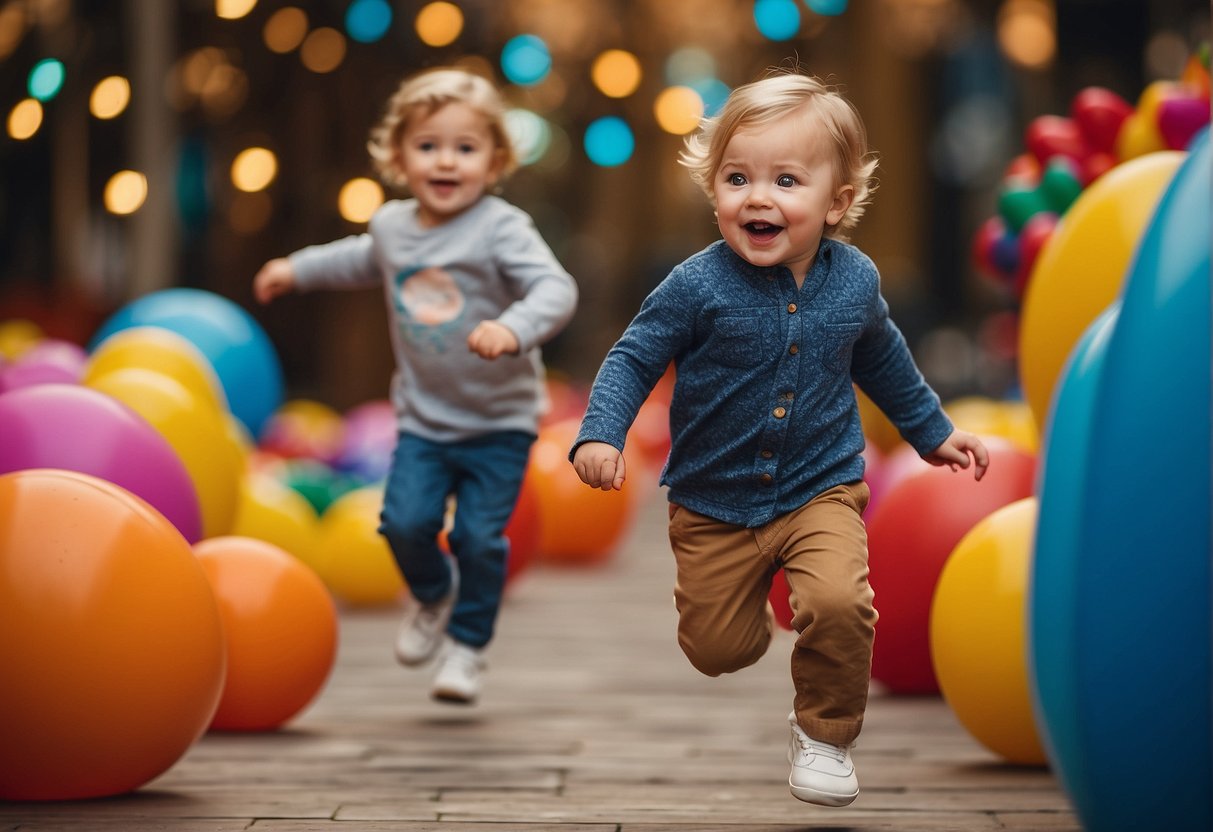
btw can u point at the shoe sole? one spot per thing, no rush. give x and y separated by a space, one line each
822 798
452 697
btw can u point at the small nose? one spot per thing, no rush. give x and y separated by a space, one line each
758 195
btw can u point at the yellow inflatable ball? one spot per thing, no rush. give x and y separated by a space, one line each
271 512
197 432
16 336
1010 420
978 633
304 428
876 426
1081 269
352 558
160 350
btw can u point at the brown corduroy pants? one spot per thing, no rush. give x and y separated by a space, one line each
725 622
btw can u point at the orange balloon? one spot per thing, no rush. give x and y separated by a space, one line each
110 636
579 524
281 628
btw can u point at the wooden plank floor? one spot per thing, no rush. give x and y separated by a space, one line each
592 721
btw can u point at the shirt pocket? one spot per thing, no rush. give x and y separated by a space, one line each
837 339
741 339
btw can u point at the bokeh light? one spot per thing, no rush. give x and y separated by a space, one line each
827 8
713 93
359 199
438 24
525 60
12 27
367 21
1027 32
777 19
323 50
25 119
110 97
285 29
689 65
233 9
678 110
609 141
530 133
125 192
616 73
254 168
46 79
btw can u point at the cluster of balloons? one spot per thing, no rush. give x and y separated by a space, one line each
1065 154
122 473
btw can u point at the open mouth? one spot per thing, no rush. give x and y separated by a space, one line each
762 231
444 184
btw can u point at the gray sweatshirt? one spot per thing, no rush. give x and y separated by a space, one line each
487 263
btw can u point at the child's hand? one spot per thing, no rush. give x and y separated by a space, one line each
599 465
275 278
955 451
490 340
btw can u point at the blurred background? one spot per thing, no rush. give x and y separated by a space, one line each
151 144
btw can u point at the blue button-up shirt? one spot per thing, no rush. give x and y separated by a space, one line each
764 416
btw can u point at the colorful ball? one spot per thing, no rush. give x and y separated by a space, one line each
352 558
304 428
978 633
581 525
161 350
198 434
270 511
281 631
233 342
1081 269
910 535
112 641
49 361
79 429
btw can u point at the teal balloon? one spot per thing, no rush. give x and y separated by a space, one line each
236 346
1056 579
1139 754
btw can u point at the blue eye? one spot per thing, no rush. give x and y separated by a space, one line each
736 179
785 181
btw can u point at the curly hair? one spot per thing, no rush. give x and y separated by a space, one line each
425 94
769 99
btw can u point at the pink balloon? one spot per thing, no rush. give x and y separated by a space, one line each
50 361
79 429
1180 118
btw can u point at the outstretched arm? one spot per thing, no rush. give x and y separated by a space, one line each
599 465
956 451
276 277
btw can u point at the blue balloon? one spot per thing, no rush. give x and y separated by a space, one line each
233 342
1142 673
1055 580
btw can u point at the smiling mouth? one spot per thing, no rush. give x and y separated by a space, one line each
446 184
762 231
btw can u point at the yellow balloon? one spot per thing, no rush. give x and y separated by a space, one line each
876 426
162 350
16 336
1081 269
303 427
990 417
978 633
352 558
196 431
272 512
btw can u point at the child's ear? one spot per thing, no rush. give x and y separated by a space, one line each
842 203
496 168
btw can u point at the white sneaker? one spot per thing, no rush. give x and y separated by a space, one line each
458 678
424 625
822 773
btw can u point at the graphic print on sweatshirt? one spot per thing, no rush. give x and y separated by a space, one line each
430 307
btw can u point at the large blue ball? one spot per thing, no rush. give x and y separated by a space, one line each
238 349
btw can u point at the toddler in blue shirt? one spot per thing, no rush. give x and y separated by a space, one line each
767 329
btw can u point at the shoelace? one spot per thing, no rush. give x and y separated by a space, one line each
809 745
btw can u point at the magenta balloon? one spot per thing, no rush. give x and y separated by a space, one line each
77 428
49 361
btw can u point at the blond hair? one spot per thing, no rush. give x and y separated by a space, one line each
423 95
769 99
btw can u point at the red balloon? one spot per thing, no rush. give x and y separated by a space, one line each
778 597
1023 167
1049 136
1095 166
1032 239
911 533
984 242
1099 114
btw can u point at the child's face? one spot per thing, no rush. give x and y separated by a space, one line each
776 192
449 159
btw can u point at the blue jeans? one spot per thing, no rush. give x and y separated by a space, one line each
484 475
